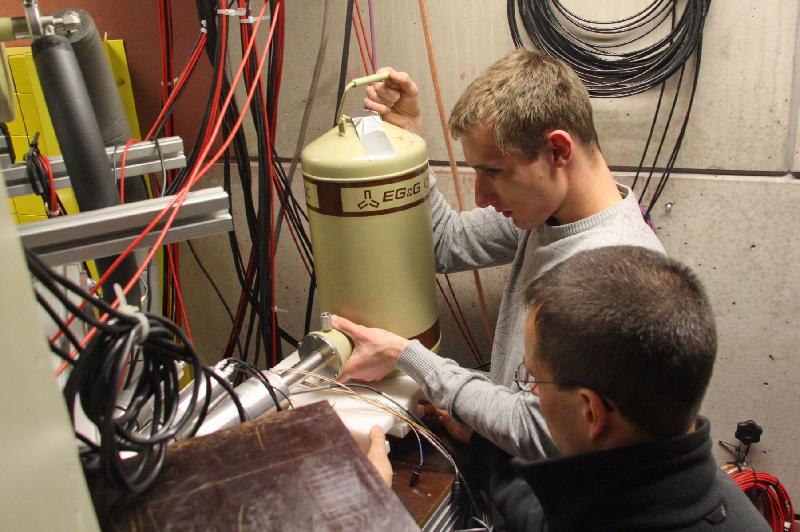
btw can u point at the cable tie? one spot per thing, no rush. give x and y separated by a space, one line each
252 19
232 12
133 311
203 26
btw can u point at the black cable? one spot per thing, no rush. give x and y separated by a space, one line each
312 284
345 57
606 72
250 370
48 308
214 287
119 398
38 176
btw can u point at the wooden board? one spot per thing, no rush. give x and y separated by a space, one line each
294 470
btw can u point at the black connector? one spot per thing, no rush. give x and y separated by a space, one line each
748 432
414 480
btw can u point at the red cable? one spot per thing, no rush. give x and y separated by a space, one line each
241 307
777 508
360 45
279 46
175 204
364 33
122 169
182 309
214 111
471 347
470 338
271 116
190 65
54 210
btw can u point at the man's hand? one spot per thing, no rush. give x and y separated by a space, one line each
375 352
377 455
396 100
436 417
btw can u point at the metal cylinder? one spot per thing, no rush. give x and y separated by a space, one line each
370 225
254 398
80 139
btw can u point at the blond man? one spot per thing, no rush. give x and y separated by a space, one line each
544 193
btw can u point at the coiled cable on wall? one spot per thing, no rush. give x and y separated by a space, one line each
603 53
768 494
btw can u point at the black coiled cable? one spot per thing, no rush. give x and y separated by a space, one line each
603 53
135 407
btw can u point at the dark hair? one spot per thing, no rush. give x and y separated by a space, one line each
520 98
633 325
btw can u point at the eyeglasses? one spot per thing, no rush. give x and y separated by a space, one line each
528 383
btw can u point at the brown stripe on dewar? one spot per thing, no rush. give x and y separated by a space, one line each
342 214
329 194
377 182
430 337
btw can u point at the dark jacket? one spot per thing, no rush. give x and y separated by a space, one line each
666 485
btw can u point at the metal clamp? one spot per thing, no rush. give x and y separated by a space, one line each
232 12
143 330
36 25
251 19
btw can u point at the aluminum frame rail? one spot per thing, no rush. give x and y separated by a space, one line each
107 232
142 158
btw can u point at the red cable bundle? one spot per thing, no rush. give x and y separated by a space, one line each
768 494
201 167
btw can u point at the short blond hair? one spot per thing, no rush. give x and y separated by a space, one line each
522 97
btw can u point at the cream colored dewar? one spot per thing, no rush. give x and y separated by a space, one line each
371 231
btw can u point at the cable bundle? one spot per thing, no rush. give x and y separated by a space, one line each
41 178
613 70
127 380
768 494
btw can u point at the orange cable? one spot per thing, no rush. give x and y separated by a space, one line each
451 156
122 169
360 45
364 33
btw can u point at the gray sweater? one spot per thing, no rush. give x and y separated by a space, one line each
494 406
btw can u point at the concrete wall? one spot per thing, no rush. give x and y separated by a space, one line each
734 229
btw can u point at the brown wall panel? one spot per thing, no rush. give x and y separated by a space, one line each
136 23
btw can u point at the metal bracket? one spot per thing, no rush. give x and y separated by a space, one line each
106 232
142 158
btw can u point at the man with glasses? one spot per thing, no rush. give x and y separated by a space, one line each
619 349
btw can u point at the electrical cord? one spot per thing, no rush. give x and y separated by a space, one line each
214 287
767 493
458 317
609 73
245 369
135 410
40 177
